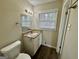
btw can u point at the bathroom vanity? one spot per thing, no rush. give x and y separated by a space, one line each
32 42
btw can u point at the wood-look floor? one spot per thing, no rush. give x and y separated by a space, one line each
45 53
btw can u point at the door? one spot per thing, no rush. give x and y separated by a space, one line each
70 49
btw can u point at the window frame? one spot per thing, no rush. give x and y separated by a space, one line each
48 11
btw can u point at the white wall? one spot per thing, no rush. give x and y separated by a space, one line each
10 12
50 37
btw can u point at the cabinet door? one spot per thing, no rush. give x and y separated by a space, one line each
29 46
36 44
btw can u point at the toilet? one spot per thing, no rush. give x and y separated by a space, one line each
12 51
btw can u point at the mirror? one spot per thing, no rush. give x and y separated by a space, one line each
26 22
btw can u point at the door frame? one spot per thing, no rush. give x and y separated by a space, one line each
63 26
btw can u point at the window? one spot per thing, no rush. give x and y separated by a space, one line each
47 20
26 21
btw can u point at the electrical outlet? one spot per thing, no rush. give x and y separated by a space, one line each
45 42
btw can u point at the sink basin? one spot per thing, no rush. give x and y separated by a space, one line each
31 35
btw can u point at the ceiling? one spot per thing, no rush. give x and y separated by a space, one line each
37 2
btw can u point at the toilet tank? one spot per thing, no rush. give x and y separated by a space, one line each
11 51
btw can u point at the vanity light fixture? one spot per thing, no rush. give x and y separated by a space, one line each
29 12
26 11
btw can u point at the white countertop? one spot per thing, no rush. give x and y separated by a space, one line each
31 35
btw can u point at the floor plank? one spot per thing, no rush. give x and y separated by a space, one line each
45 53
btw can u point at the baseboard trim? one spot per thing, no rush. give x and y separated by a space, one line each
49 46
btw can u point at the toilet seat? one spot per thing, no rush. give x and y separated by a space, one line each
23 56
